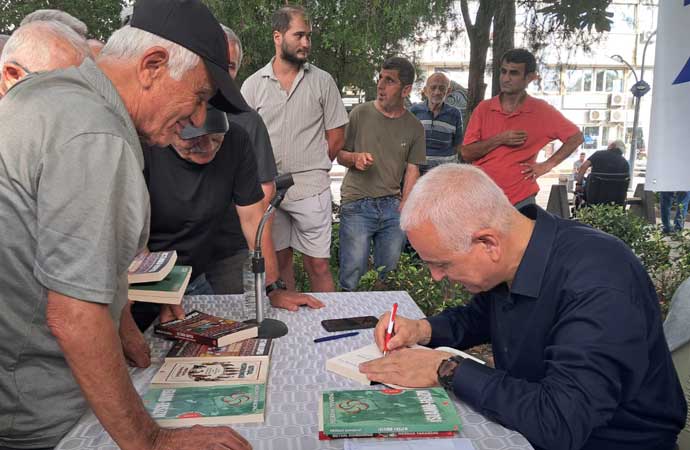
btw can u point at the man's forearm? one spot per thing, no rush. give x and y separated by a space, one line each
411 176
88 338
335 139
250 217
566 150
346 158
476 150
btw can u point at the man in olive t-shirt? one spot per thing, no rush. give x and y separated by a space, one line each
384 144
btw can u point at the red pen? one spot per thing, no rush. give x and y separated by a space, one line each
389 330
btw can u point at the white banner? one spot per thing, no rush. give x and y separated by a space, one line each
668 167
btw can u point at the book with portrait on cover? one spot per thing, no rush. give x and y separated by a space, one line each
425 412
214 405
207 329
211 372
149 267
248 349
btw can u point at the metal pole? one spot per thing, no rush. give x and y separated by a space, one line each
633 144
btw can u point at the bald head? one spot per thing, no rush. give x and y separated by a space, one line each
39 47
436 89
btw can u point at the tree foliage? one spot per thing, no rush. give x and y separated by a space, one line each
101 16
351 37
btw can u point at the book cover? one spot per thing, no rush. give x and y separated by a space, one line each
347 364
247 349
216 405
207 329
150 267
388 412
210 372
176 281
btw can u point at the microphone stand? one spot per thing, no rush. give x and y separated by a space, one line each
268 328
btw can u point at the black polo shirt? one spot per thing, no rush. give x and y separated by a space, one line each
189 201
580 355
608 161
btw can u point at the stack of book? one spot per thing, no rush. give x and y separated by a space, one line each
154 278
216 373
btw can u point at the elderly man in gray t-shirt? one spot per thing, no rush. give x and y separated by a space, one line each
75 211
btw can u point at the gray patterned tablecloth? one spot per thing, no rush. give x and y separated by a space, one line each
298 375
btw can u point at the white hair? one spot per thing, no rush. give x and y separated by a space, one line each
55 15
618 144
36 46
458 200
233 38
129 43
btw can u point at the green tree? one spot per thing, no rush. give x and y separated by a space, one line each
101 16
351 37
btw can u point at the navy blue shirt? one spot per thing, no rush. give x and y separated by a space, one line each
580 355
444 132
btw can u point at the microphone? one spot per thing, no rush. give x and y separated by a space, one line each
284 181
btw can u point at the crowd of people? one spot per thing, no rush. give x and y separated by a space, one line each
145 143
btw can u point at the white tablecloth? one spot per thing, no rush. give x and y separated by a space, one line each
297 376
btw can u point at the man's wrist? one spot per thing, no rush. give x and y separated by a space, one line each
423 332
277 285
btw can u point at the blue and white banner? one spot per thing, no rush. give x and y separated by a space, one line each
668 167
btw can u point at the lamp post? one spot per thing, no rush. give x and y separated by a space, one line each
638 89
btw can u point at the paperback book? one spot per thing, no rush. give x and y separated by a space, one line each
207 329
426 412
214 405
210 372
248 349
149 267
169 290
347 364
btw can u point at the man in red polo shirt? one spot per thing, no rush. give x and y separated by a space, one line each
506 132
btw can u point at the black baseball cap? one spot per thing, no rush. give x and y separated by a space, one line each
191 24
216 122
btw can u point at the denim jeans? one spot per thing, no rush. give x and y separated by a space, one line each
666 200
364 221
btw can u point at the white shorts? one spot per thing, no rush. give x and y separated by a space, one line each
304 225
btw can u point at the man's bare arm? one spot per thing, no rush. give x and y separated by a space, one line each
411 176
476 150
88 338
535 170
582 171
336 139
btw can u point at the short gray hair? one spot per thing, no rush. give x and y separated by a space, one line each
129 43
3 41
618 144
233 38
458 200
55 15
34 45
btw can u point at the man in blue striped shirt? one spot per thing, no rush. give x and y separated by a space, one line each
442 123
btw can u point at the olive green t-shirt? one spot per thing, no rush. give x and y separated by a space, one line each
393 143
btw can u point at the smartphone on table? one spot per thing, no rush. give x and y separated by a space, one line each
349 323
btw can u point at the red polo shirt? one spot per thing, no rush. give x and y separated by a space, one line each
543 124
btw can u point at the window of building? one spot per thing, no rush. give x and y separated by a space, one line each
551 80
574 80
591 136
608 80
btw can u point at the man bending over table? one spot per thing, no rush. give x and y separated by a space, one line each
572 316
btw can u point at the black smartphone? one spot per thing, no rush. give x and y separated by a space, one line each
349 323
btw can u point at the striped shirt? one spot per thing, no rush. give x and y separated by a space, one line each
443 132
297 122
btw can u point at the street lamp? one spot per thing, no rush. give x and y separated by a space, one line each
638 89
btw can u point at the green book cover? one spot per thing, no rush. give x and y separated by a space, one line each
388 411
171 283
206 405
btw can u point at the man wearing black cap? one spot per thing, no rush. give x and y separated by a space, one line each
75 212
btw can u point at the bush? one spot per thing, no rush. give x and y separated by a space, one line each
667 260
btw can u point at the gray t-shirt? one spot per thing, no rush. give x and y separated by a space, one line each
393 143
75 210
297 122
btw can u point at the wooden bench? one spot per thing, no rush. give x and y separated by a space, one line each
641 204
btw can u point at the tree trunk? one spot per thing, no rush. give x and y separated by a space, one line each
504 39
479 35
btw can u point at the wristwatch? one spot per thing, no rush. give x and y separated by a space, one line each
277 284
446 371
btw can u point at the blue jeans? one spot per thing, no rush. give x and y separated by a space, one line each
666 201
364 221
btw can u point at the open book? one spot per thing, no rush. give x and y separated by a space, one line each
347 364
